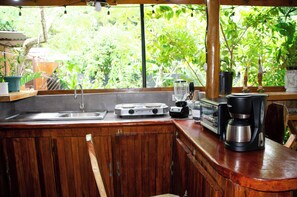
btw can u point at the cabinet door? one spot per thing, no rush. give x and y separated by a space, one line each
180 173
28 165
143 158
73 168
201 183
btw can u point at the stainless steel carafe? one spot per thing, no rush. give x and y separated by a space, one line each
239 127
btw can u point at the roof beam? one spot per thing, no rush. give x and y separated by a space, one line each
112 2
42 2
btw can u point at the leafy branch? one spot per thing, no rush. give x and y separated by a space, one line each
233 45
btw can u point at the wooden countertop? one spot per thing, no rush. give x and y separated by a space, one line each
271 169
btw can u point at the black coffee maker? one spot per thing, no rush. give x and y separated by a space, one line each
245 131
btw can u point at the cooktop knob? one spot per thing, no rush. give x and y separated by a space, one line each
155 111
131 111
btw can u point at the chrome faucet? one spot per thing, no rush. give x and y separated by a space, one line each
82 103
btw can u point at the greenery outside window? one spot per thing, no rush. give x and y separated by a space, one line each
103 49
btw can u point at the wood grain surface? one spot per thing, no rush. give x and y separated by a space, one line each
14 96
271 169
114 2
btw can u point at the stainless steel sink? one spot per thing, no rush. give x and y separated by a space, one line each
82 115
55 116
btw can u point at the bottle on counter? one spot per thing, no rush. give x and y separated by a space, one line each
196 111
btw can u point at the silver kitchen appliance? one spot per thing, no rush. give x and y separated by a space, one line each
182 92
141 109
245 131
215 115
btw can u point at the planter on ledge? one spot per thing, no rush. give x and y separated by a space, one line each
13 83
226 80
291 79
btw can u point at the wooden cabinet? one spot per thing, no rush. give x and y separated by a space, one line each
133 160
202 183
212 170
190 177
26 167
74 176
180 172
143 156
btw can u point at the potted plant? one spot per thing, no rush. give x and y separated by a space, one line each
231 35
289 59
287 54
16 62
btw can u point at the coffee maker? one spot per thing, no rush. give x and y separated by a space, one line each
245 129
182 92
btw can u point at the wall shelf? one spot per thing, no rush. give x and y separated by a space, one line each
14 96
279 96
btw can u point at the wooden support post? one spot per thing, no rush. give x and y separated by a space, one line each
213 49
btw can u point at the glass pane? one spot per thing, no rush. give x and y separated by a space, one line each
98 49
175 40
257 38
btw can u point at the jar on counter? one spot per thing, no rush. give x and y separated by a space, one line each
196 111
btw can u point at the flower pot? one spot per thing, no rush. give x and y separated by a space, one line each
3 88
226 80
13 83
291 80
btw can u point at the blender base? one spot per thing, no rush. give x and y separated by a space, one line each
179 112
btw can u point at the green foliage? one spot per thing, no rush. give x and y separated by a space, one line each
286 26
106 50
6 26
16 61
29 77
261 40
175 49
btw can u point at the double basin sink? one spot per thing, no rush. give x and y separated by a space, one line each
54 116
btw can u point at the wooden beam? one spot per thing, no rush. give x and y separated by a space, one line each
260 2
213 49
43 2
113 2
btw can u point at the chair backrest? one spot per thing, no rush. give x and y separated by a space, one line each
95 166
276 122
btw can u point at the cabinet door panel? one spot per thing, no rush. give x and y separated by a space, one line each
164 162
73 167
72 164
128 165
202 183
180 174
143 160
148 168
104 154
28 163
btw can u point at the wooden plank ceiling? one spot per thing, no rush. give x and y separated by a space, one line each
112 2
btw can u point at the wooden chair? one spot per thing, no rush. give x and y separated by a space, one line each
96 169
292 124
276 122
95 166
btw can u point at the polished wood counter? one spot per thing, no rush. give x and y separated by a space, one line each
271 169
